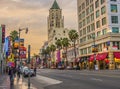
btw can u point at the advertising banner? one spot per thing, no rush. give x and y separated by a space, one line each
22 52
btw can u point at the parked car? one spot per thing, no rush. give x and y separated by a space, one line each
61 67
32 73
69 68
27 71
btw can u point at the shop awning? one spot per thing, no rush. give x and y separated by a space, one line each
91 58
117 55
101 56
117 60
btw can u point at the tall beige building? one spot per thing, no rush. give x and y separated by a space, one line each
56 28
99 31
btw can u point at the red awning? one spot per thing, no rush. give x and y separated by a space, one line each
91 58
117 55
101 56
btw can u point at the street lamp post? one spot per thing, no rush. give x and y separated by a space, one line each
26 30
29 48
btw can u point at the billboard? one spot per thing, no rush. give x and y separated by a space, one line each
22 52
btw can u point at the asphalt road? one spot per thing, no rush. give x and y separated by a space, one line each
75 79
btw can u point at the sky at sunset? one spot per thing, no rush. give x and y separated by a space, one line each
33 14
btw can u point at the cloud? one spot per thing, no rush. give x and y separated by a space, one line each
33 14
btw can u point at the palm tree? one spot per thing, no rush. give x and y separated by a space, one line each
65 43
14 35
52 50
73 35
59 46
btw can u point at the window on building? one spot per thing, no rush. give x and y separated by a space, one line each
92 17
103 10
114 19
83 14
54 31
80 25
80 32
91 8
89 50
97 4
84 22
104 31
79 9
114 8
97 24
103 21
97 13
88 29
117 44
98 33
92 27
102 1
80 16
55 38
63 31
87 11
115 29
83 5
113 0
84 31
88 19
91 1
87 2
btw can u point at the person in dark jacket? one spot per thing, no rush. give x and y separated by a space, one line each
35 71
11 75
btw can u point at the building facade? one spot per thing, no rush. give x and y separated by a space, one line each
99 32
56 28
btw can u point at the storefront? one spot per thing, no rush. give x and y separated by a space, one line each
101 60
117 59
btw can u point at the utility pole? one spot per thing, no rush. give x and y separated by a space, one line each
29 47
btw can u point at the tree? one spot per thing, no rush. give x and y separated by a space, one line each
59 44
52 50
73 35
14 35
65 43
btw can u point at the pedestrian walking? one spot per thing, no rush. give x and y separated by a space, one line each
11 75
18 72
35 71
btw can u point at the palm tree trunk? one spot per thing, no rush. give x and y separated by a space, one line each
66 57
75 50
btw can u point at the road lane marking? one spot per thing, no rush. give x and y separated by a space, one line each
48 81
111 76
96 79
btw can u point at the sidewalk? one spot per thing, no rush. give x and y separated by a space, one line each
18 84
